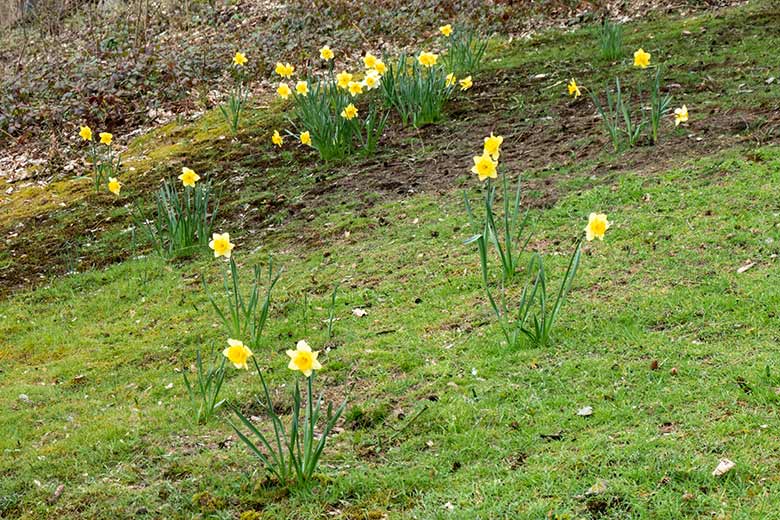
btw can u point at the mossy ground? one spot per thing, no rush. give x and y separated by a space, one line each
444 420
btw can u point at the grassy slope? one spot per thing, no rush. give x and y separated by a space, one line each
95 352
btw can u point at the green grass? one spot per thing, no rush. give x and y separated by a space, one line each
441 412
95 353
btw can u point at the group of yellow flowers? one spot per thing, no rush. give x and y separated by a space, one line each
375 68
85 132
302 359
641 61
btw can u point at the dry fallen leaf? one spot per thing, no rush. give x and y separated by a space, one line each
724 466
745 267
585 411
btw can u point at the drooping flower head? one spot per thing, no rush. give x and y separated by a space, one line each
493 146
85 133
303 359
369 60
239 59
574 89
680 115
451 79
114 186
446 30
306 138
326 53
597 226
105 138
355 88
277 139
349 112
343 79
302 88
641 59
427 59
485 167
283 90
237 353
221 245
188 177
466 83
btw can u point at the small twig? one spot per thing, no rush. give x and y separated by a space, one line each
408 423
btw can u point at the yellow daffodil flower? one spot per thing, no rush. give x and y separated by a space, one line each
303 359
343 79
283 90
285 70
277 139
188 177
349 112
302 88
427 59
451 79
239 59
574 89
86 133
355 88
114 186
237 353
466 83
370 60
680 115
446 30
221 245
306 138
493 146
105 138
485 167
380 67
597 226
641 59
326 54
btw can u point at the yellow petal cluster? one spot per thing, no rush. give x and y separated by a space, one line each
597 226
239 59
237 353
188 177
221 245
303 359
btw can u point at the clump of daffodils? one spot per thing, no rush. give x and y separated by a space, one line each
292 455
505 230
104 160
326 110
628 126
239 93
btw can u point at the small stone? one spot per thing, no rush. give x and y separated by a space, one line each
585 411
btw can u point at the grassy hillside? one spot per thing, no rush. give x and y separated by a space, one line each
670 332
